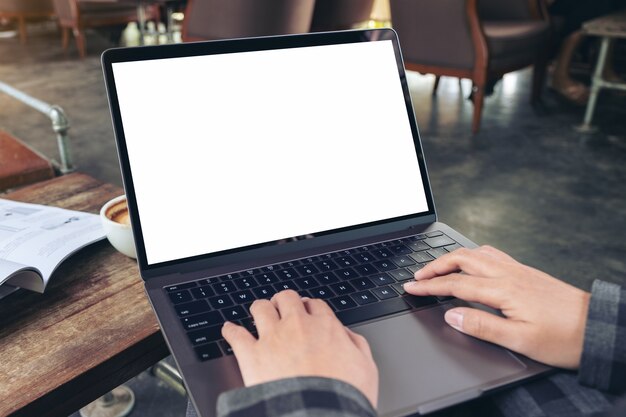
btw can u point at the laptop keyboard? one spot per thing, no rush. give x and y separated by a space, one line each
359 284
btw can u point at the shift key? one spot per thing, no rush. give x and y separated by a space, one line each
194 307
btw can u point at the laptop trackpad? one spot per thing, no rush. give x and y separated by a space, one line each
422 360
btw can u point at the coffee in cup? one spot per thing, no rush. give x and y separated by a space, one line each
116 223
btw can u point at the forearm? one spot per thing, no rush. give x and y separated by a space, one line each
304 396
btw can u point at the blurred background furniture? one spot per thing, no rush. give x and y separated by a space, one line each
24 11
608 28
220 19
78 15
340 14
476 39
20 165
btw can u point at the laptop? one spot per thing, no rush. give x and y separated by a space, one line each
290 162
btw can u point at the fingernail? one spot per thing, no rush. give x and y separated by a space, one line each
454 318
305 298
227 324
409 284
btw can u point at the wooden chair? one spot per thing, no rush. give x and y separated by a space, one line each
26 10
476 39
20 165
76 15
340 14
221 19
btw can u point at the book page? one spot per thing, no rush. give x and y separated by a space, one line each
42 237
19 275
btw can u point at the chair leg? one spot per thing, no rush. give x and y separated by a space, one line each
478 97
436 85
80 41
22 29
66 37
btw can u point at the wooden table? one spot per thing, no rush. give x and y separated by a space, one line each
93 328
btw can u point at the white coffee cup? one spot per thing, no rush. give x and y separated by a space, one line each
116 223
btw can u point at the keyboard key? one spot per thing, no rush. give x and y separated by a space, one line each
342 302
286 285
344 261
208 352
226 348
307 269
362 283
454 247
246 283
418 246
224 287
437 242
208 281
374 310
242 297
288 273
249 272
398 287
321 292
382 253
419 301
347 273
364 297
434 234
230 277
437 252
421 257
249 324
179 287
414 268
264 292
305 283
443 298
326 278
202 292
267 278
326 265
381 278
193 307
234 313
309 260
384 293
181 296
206 335
291 264
270 268
401 275
365 269
211 318
400 250
220 301
384 265
402 261
342 288
364 257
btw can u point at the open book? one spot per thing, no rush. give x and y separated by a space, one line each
35 239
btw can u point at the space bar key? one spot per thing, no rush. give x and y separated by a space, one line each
371 311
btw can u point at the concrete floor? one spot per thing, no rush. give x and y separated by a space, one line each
528 183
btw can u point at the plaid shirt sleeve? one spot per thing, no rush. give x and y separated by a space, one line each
301 397
602 369
603 363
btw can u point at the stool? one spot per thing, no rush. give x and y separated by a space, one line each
20 165
608 28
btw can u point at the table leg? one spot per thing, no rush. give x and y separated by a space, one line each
596 85
116 403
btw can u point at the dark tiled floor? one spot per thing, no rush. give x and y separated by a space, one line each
528 183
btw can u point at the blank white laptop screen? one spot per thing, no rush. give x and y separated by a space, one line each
238 149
